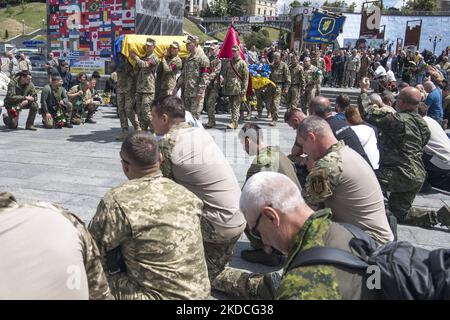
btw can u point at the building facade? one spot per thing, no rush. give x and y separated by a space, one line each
263 8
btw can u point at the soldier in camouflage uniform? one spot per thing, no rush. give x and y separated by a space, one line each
21 94
312 77
352 66
402 172
267 158
319 62
36 251
212 90
235 81
126 87
297 83
148 230
166 73
282 78
364 69
145 86
194 78
55 103
276 213
83 102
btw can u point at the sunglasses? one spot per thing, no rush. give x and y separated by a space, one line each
254 232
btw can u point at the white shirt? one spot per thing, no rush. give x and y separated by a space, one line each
368 139
390 76
439 145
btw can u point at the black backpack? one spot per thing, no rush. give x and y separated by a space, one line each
407 272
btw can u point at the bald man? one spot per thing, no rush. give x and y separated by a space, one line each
402 172
434 101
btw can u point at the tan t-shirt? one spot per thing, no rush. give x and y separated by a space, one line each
41 255
193 159
346 184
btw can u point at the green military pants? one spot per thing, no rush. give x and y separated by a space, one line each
218 246
125 106
13 122
274 94
400 202
292 96
307 97
144 103
211 98
194 106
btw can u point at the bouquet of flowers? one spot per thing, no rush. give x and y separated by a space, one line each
60 119
260 74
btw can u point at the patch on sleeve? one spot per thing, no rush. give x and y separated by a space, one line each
318 184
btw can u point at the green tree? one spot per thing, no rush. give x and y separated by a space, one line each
306 3
9 10
295 4
334 4
257 39
422 5
236 8
352 7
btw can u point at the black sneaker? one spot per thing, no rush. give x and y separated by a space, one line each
90 121
68 125
260 256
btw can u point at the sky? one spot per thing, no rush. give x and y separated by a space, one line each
387 3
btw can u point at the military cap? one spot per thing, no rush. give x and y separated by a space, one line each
191 39
175 45
235 48
150 42
56 77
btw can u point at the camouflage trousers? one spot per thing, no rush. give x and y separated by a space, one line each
293 96
400 202
308 95
235 106
211 95
13 122
274 94
67 109
122 288
125 105
90 109
261 98
349 78
144 103
218 244
194 105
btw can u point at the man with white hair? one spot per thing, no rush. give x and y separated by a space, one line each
276 213
433 101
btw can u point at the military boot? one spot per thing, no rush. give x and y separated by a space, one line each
89 118
232 125
443 216
210 125
31 127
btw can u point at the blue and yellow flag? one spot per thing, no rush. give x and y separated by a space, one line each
324 28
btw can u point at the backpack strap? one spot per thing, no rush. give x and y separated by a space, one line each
328 256
360 235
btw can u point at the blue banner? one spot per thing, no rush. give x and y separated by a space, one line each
324 28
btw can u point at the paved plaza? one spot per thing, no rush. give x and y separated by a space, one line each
76 167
